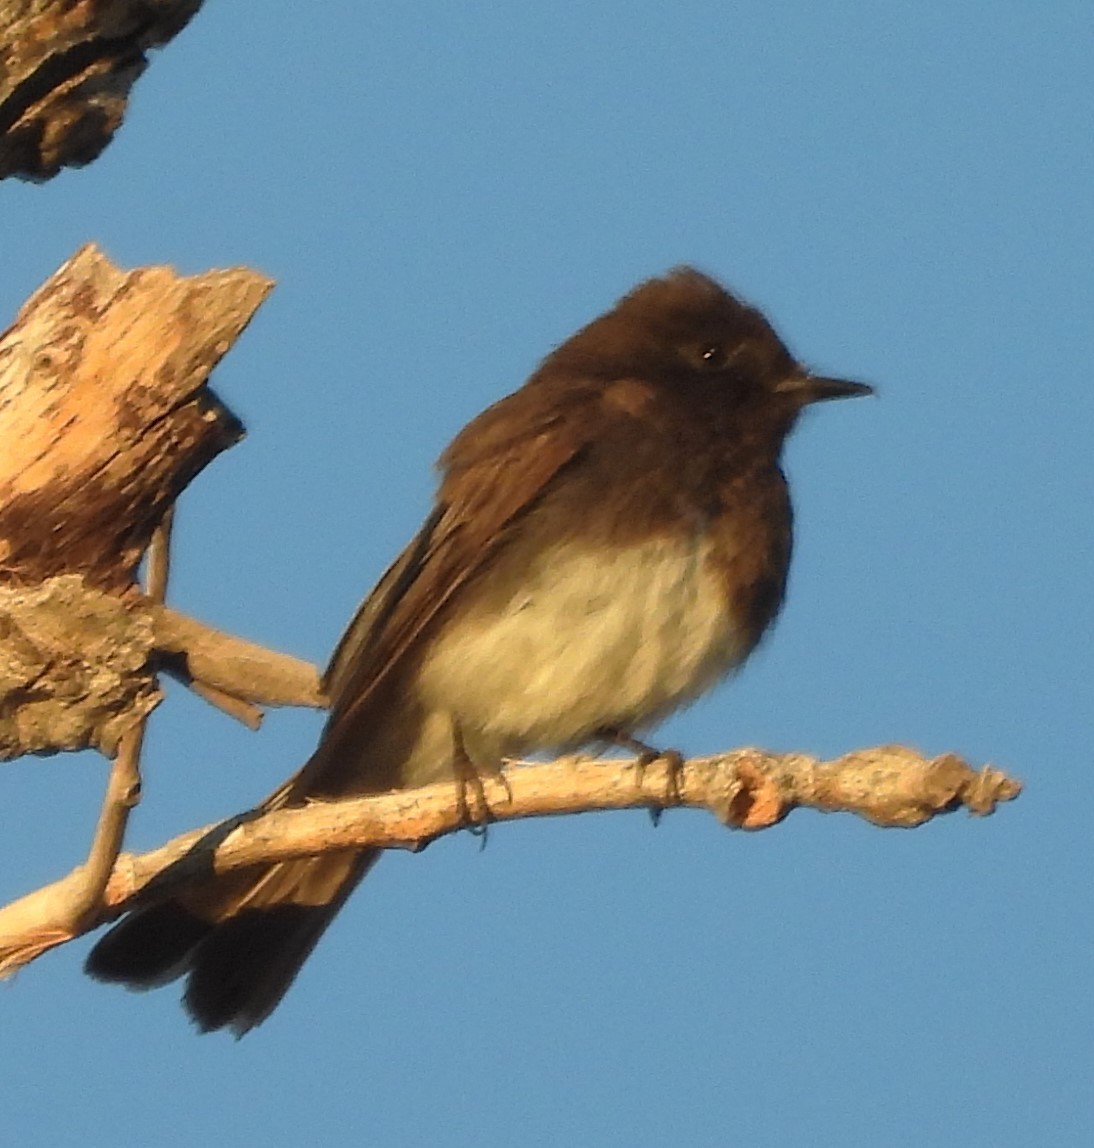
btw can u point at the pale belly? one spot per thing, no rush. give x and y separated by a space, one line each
590 640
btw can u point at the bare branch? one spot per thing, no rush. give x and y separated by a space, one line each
105 411
67 70
85 900
105 417
246 713
123 789
234 667
747 789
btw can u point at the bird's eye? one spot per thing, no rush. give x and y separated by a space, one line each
712 355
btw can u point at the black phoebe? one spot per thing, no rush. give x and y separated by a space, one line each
607 543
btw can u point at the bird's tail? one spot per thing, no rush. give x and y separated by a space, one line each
240 938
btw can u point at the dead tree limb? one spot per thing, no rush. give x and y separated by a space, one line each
65 74
105 414
747 789
105 417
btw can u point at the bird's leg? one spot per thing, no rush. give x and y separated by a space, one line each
674 766
469 778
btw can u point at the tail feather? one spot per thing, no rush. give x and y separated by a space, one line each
241 940
148 948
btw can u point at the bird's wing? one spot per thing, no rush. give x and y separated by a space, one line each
495 471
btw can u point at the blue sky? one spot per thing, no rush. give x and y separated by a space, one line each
443 192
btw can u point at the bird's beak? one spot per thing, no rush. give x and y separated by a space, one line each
818 388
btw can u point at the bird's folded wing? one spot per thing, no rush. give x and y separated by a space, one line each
484 492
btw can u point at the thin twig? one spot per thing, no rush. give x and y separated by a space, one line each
159 556
123 789
158 564
243 711
232 666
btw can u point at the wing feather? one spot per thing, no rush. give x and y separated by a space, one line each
495 471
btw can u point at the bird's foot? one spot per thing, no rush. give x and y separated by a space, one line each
475 815
647 755
472 807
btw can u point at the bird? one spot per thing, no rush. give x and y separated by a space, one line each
606 543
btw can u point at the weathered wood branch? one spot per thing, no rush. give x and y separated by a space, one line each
78 667
232 666
105 417
105 412
747 789
123 786
65 74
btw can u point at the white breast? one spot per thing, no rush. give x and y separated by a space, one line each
591 639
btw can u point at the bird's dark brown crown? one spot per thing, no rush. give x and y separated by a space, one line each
677 327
